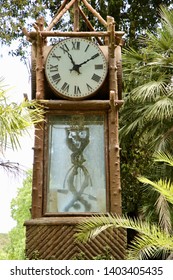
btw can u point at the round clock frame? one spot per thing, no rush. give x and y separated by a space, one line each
76 68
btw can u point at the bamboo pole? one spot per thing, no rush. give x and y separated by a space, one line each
118 57
93 11
26 33
89 25
33 34
86 105
59 10
76 16
59 16
111 51
119 70
37 183
114 157
40 42
37 188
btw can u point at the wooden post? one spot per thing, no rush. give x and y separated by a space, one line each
76 16
115 187
37 189
39 25
118 57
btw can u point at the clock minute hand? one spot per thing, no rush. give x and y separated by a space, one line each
93 57
69 55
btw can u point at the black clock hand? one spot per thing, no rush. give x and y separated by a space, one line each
93 57
70 56
77 66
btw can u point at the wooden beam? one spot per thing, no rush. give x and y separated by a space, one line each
76 16
40 42
37 181
94 12
59 15
33 34
114 157
93 105
60 9
89 25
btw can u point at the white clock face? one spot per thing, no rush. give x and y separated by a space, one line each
75 68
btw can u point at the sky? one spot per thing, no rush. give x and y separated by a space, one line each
16 77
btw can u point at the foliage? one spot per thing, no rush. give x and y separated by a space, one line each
106 255
131 16
134 160
146 117
15 120
4 241
162 213
152 239
20 211
17 14
147 113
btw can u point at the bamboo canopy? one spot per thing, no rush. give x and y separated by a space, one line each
78 11
64 7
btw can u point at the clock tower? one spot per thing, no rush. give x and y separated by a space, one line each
76 170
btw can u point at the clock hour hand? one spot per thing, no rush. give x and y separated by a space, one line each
75 66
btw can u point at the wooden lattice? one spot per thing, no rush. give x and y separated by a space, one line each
58 242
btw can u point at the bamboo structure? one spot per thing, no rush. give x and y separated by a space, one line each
53 234
39 54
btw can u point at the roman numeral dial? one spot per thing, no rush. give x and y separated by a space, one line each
75 68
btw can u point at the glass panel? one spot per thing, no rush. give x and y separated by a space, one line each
76 169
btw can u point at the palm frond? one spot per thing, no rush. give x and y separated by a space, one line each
167 18
163 211
162 137
147 246
166 157
149 91
150 237
163 187
15 119
91 227
161 110
132 56
13 168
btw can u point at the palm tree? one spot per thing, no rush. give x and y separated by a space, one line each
146 119
153 238
15 119
148 82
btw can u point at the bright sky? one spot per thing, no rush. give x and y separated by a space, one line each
16 77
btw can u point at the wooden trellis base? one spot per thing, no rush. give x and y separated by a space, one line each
53 239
